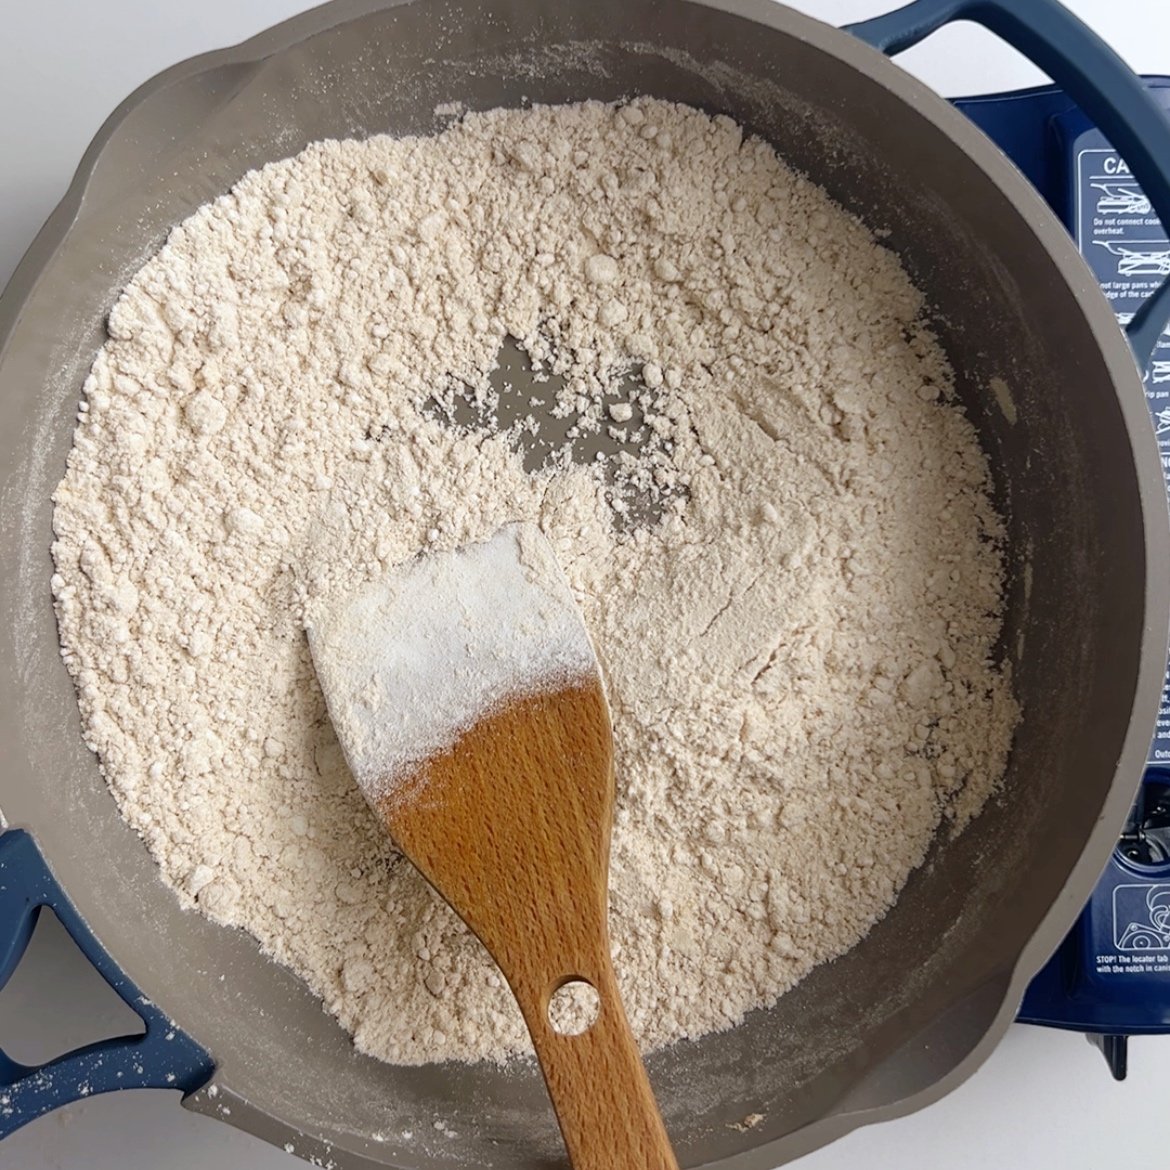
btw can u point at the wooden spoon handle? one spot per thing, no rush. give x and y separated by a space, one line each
599 1089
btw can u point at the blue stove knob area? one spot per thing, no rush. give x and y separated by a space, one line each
1110 978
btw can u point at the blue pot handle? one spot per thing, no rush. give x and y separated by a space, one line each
1092 74
163 1057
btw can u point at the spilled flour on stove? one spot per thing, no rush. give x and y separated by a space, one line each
790 567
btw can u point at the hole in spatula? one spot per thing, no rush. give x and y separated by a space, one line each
574 1008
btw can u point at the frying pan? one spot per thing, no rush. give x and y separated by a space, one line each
912 1010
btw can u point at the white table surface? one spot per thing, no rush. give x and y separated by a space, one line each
1043 1097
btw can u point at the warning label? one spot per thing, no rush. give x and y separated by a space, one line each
1128 249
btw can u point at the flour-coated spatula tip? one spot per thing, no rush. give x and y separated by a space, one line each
410 661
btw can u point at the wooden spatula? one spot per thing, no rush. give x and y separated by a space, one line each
470 707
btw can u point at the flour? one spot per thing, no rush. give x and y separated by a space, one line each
796 632
412 661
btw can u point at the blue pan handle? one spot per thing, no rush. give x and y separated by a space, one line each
162 1057
1089 71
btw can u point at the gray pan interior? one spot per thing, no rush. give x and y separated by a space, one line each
915 1007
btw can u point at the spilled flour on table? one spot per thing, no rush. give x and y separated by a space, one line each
791 569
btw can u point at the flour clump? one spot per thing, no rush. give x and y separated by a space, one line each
785 554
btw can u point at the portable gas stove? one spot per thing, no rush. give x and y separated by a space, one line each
1110 978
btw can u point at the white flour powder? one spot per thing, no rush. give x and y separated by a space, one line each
797 653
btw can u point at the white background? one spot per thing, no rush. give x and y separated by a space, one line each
1043 1098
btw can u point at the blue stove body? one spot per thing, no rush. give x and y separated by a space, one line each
1110 978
